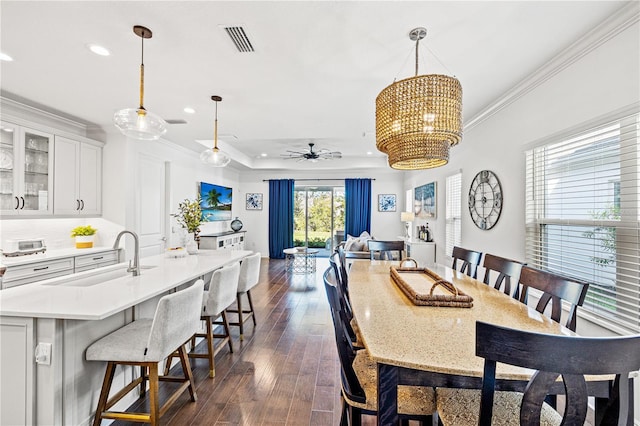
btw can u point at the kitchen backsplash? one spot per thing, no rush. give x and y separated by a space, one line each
57 232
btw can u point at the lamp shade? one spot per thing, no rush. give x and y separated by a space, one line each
407 216
137 124
418 119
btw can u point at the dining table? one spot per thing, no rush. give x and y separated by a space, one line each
434 345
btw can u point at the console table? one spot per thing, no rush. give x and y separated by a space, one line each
230 240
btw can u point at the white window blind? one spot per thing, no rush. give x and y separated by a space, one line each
583 215
453 213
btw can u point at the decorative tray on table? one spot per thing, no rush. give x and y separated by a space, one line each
426 288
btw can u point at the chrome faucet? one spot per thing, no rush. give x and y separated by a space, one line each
136 256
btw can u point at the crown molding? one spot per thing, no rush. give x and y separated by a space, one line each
622 19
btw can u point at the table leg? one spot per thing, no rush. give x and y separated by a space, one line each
387 394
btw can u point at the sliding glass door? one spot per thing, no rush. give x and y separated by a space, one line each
318 217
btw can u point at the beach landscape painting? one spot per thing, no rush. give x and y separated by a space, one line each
215 202
424 201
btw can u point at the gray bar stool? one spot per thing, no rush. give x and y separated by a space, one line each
146 342
216 299
249 277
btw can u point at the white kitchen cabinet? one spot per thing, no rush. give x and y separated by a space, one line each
423 252
26 171
40 269
78 178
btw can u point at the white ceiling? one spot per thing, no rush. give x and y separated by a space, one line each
314 76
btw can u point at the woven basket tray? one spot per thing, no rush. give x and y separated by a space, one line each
422 286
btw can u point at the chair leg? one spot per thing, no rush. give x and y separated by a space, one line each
154 406
212 366
227 330
188 374
104 393
253 312
240 315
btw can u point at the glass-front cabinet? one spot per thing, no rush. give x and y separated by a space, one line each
26 171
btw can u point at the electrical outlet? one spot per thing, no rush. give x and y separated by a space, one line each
43 354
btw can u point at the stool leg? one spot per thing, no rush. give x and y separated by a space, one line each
186 368
143 383
253 312
167 364
227 330
240 315
212 367
104 392
154 407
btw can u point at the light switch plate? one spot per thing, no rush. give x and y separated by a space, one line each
43 354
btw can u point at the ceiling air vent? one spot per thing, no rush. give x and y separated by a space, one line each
239 38
176 121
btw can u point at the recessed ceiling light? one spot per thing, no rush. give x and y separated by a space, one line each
7 129
99 50
369 153
264 154
189 110
5 57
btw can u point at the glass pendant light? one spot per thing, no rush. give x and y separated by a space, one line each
214 157
138 123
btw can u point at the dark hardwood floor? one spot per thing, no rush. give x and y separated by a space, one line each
285 372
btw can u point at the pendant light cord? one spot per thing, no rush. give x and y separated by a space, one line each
417 44
215 130
142 74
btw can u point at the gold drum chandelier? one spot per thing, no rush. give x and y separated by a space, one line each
419 118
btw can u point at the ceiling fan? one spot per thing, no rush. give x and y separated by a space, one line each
311 155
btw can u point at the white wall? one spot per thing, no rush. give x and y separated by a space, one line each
384 225
603 81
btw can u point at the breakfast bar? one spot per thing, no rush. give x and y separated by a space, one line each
45 328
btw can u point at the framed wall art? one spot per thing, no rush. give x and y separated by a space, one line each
424 201
254 201
386 202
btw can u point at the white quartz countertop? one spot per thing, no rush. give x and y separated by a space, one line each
50 255
102 292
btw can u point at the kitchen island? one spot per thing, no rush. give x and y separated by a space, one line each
57 319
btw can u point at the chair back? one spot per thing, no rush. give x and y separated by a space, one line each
386 250
555 289
350 384
249 273
343 263
470 260
552 356
222 292
508 271
176 319
345 312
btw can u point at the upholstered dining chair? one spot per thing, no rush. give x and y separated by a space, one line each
359 375
555 288
389 250
552 356
145 343
470 260
221 294
249 277
508 272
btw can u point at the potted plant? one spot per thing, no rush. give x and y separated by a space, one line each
190 217
84 236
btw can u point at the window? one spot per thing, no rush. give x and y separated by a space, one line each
582 215
454 195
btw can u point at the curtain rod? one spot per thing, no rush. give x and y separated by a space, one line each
300 180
